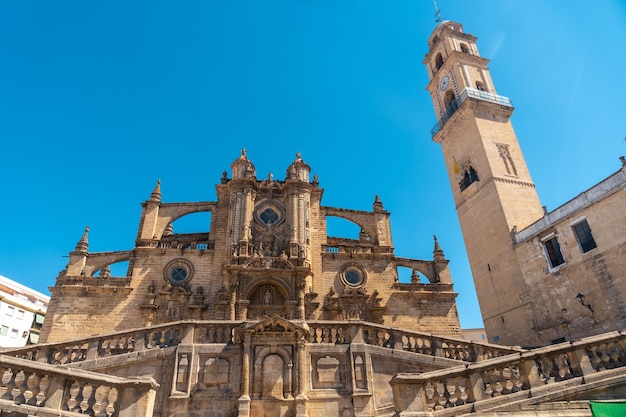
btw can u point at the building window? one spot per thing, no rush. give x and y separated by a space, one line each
584 236
464 48
178 272
480 86
469 177
4 330
450 100
553 252
438 62
14 333
20 314
10 311
353 275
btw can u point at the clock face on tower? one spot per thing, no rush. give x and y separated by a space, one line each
444 83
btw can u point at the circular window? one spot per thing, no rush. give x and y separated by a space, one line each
269 213
268 216
178 271
353 275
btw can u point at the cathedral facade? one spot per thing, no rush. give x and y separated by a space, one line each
278 303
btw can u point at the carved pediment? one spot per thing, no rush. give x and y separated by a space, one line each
277 325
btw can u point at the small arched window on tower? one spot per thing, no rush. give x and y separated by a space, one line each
480 86
438 62
464 48
449 101
470 175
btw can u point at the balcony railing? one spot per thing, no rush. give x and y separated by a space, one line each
469 93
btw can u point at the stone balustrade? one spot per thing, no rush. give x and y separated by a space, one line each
208 332
175 244
364 248
410 341
458 390
160 336
33 388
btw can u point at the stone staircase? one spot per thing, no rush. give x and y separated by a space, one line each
520 384
69 378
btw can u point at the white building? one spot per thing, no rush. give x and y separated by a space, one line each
22 312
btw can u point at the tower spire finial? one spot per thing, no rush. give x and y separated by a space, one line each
437 13
83 244
156 193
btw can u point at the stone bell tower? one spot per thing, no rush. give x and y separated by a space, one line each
492 188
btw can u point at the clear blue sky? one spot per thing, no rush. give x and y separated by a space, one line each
100 99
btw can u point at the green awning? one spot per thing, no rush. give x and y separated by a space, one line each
608 408
33 338
39 318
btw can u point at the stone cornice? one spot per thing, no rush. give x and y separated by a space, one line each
515 182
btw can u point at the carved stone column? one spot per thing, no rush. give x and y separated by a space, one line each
301 305
233 300
293 208
244 400
242 310
301 397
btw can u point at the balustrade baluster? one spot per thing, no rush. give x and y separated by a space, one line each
88 400
42 393
430 392
32 388
340 336
74 397
20 387
111 400
441 396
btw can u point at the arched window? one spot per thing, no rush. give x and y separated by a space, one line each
480 86
438 61
449 100
464 48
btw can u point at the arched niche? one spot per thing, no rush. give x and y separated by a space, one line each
273 372
267 294
267 298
